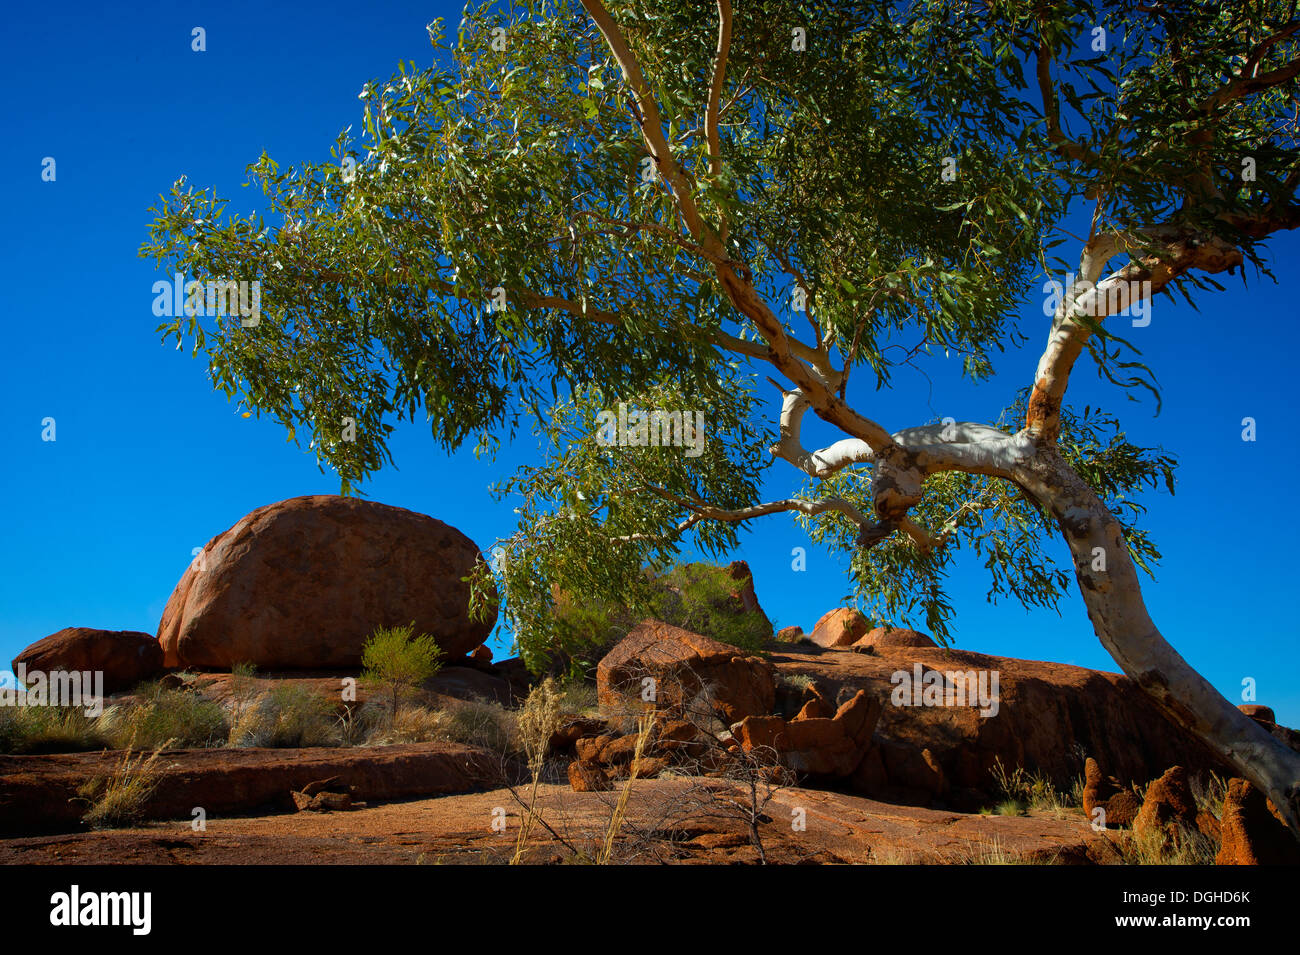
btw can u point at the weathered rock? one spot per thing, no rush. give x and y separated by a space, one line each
675 731
739 571
689 670
892 637
790 634
448 829
619 751
302 583
1119 804
322 802
913 771
1251 835
1048 716
590 748
815 709
1258 712
841 627
333 784
125 657
647 767
574 728
586 777
818 746
741 601
1168 809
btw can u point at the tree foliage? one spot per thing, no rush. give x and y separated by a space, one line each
499 249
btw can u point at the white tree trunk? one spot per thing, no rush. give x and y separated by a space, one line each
1119 616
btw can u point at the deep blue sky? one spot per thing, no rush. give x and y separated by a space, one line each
150 463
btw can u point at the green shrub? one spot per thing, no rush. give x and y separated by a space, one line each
1034 790
699 598
800 681
576 630
51 729
397 661
167 717
1010 807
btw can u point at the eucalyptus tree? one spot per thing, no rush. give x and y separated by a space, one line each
654 205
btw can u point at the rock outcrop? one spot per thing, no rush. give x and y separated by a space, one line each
841 627
301 584
813 743
892 637
1258 712
125 657
686 670
1049 716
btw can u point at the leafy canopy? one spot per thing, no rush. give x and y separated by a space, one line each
495 251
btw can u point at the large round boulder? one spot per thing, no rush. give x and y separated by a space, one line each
301 584
125 657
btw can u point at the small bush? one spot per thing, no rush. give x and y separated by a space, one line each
1010 807
287 716
481 723
166 718
119 799
1034 790
698 597
537 720
396 660
1188 847
51 729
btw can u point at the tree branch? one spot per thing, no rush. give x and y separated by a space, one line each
1088 296
715 97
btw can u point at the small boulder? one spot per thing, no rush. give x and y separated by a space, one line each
619 751
587 777
333 784
647 767
790 634
689 671
816 745
323 802
574 728
1258 712
589 748
816 709
125 657
841 627
891 637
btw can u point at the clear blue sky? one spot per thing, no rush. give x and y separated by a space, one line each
150 463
